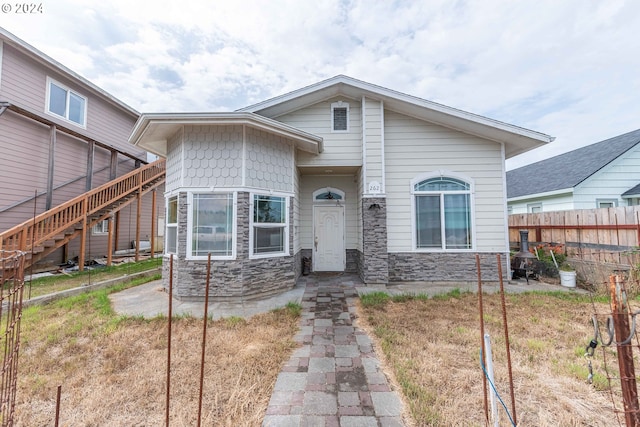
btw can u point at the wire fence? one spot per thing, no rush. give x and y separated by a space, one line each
615 332
11 292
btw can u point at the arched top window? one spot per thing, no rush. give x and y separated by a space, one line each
328 194
442 183
442 212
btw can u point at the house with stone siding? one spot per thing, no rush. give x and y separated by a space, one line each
350 176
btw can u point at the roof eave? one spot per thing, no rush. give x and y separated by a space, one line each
518 140
552 193
140 136
52 63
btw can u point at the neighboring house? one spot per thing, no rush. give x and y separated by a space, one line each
60 135
356 177
600 175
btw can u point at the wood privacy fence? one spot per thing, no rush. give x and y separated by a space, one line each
600 235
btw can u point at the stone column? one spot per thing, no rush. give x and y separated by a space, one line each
375 262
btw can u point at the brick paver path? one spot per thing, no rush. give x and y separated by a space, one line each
334 378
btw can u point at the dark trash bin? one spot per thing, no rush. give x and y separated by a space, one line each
306 265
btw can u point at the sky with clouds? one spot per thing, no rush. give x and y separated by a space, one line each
566 68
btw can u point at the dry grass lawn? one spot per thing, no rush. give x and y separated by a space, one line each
113 369
432 348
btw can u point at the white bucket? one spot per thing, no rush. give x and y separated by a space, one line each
568 278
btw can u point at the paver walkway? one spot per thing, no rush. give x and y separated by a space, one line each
334 378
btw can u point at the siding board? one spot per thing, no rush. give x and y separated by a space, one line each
414 147
310 183
340 148
24 83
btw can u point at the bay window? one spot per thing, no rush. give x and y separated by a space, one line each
212 219
172 226
269 225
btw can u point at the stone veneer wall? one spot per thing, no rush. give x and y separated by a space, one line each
360 263
374 265
352 261
242 278
444 267
351 258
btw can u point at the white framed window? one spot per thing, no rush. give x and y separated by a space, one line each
66 103
340 117
101 228
442 213
534 207
606 203
269 228
171 236
211 225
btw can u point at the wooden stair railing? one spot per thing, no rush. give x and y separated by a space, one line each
74 217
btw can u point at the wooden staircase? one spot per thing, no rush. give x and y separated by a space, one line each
40 236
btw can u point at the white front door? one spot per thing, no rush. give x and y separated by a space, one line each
328 238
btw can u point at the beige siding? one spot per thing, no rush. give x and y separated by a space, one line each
373 141
295 205
359 192
414 147
311 183
340 148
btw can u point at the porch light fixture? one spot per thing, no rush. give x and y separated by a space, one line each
374 206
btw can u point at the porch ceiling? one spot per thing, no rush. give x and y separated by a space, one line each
328 170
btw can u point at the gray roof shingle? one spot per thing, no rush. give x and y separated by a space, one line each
569 169
635 191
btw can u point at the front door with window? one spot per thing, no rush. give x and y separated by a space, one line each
328 239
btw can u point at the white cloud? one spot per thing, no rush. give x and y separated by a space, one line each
563 68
